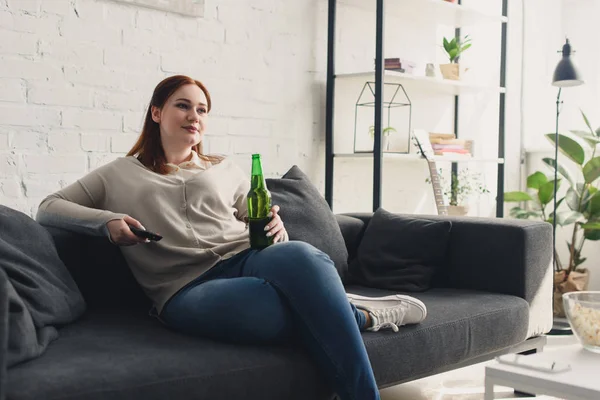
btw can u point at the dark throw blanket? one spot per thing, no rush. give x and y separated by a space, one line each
37 293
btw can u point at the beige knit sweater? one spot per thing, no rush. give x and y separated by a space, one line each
199 215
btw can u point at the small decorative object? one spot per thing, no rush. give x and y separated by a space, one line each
450 1
396 125
583 313
461 187
385 139
393 64
430 71
454 48
447 144
399 65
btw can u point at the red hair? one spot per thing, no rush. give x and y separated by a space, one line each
148 148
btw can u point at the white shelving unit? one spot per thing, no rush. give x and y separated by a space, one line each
442 14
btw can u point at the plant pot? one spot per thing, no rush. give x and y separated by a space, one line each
450 71
578 281
458 210
385 143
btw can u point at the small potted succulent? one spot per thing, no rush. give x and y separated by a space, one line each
385 139
454 48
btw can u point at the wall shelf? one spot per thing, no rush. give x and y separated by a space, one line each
418 157
440 85
443 12
458 15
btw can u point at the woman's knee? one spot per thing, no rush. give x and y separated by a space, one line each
303 251
303 259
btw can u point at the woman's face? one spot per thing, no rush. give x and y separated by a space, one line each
182 118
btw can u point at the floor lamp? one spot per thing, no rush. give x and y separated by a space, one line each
565 75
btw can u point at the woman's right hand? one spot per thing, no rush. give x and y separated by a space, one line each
121 235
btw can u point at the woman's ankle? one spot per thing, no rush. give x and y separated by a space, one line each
368 320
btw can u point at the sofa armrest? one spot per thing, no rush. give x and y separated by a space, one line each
507 256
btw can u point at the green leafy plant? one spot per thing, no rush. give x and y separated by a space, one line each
455 47
582 199
461 186
386 131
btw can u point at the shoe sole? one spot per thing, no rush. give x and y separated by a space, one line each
409 299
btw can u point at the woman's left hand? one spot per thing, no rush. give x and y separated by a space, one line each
275 227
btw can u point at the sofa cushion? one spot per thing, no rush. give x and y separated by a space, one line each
352 231
37 293
307 216
399 252
128 355
460 325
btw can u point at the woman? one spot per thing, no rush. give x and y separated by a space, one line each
202 277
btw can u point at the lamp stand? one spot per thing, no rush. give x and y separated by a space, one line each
560 326
555 255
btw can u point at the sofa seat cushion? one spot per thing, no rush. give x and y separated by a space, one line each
460 325
132 356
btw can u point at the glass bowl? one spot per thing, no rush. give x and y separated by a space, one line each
583 312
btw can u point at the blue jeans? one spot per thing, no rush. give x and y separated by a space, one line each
290 290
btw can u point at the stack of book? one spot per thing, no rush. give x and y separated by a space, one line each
448 144
399 65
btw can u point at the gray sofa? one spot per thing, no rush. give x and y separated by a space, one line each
495 296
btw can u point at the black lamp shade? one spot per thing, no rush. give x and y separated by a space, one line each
566 73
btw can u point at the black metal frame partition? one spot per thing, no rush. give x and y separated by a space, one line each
379 79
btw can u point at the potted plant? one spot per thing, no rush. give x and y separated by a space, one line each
460 188
454 48
578 210
385 139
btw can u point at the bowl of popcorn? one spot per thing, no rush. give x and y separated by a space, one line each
583 312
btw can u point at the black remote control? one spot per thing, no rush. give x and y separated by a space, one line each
145 234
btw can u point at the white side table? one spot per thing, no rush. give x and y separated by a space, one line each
582 382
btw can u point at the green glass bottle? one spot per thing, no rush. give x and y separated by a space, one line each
259 206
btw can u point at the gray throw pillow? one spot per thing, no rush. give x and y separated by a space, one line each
37 291
400 253
307 216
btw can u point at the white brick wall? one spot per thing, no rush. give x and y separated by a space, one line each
3 141
76 76
13 90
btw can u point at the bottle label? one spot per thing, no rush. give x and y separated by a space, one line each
258 235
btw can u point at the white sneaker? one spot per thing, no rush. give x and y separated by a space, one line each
390 311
